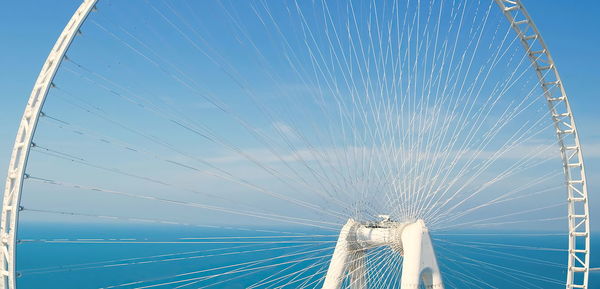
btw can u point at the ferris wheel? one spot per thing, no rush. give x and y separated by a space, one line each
367 144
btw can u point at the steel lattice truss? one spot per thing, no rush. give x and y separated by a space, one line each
568 139
23 143
521 22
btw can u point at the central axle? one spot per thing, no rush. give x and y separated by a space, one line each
410 239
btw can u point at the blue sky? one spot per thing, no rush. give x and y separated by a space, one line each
30 29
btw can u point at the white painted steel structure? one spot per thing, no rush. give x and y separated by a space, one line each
573 166
568 140
549 79
23 143
411 239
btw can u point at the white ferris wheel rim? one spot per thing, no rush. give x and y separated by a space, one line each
520 21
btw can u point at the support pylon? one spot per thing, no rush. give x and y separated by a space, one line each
411 239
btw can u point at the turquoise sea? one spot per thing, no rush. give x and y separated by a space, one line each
53 256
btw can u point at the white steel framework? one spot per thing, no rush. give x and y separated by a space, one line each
536 49
571 154
568 140
411 239
23 142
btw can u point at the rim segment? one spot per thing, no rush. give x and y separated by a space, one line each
520 21
20 153
568 139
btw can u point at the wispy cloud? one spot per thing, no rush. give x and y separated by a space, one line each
286 130
335 154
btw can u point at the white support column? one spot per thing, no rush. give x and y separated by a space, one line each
419 258
341 254
410 239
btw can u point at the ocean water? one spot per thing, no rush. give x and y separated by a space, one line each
81 256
